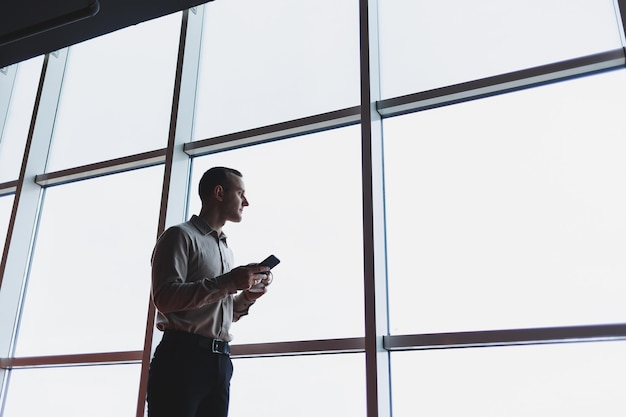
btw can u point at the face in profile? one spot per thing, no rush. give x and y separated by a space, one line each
234 199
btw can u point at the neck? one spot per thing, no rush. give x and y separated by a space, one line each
212 218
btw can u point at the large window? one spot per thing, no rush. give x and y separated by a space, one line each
334 385
87 291
512 213
251 65
448 207
542 381
426 45
23 87
97 391
121 85
305 207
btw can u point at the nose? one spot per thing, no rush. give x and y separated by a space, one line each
245 202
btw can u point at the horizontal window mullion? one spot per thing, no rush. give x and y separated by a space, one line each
351 345
284 130
506 337
113 166
67 360
7 188
326 346
502 83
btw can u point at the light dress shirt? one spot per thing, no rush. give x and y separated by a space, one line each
191 285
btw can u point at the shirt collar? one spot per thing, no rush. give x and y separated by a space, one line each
204 227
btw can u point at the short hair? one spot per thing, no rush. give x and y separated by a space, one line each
214 177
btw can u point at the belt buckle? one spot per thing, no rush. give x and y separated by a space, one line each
217 346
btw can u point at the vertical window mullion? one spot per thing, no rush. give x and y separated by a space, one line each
23 222
7 81
177 162
375 280
620 6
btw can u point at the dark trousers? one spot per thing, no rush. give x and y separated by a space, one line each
187 379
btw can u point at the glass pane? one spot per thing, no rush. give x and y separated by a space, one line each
252 74
507 211
89 284
94 391
6 206
117 95
428 44
13 138
334 386
305 208
576 380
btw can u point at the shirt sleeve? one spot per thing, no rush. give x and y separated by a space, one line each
171 289
241 306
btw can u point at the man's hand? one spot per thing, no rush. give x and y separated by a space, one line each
253 296
245 277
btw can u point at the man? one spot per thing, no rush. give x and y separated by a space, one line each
195 291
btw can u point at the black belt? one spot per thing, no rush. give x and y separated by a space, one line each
214 345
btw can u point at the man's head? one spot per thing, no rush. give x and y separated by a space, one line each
222 191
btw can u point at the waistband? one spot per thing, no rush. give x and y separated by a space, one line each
214 345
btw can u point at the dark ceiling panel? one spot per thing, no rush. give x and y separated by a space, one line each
30 28
50 15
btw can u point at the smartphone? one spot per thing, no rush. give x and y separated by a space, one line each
270 261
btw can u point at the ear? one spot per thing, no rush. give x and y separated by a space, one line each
218 192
